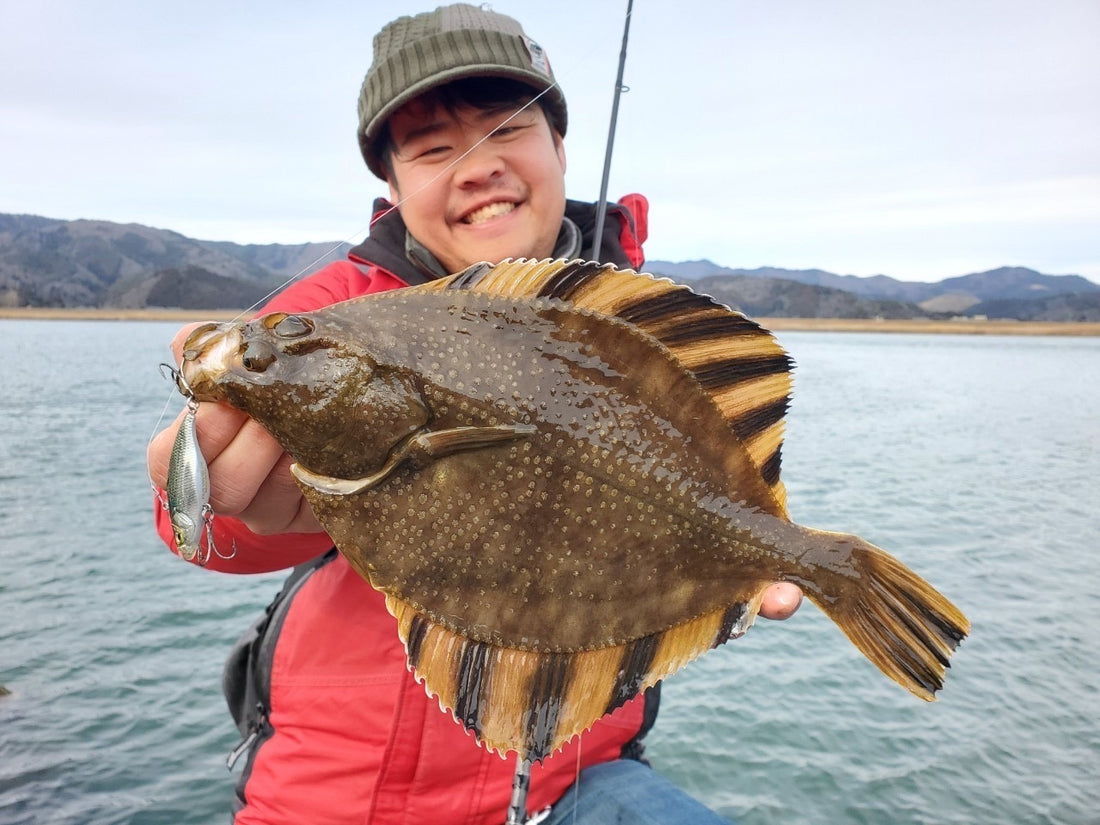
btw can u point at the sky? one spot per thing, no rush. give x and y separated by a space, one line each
917 140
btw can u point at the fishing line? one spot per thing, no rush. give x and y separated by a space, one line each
582 58
177 373
577 779
375 218
401 202
156 428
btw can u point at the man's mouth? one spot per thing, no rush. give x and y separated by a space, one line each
488 212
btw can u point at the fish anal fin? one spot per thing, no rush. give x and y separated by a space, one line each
686 642
511 699
532 702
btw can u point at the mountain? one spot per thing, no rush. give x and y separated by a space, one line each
185 287
781 298
1080 307
1006 292
280 259
49 262
876 286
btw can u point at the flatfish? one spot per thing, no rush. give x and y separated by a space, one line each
565 478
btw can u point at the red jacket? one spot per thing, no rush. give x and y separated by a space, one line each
351 737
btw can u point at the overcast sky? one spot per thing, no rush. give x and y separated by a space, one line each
921 140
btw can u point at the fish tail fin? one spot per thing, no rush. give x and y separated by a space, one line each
899 621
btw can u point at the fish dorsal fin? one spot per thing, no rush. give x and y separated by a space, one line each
737 362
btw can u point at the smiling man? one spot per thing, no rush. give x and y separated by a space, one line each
476 178
460 116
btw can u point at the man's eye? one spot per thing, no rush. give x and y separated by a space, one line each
432 151
509 131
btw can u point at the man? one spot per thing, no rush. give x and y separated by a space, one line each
460 116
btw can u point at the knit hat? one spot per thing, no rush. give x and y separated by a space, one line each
415 54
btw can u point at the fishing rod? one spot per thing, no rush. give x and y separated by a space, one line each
521 781
601 204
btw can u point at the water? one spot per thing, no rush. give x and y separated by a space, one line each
973 459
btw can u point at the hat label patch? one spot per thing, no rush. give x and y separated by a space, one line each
539 61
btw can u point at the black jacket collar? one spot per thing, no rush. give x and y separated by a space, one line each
390 246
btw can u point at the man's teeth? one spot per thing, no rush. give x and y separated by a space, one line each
493 210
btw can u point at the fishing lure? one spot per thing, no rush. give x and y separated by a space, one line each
188 489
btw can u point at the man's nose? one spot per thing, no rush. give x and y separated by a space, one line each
479 165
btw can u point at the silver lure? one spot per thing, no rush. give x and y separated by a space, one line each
189 490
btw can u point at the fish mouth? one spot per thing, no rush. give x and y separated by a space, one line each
208 354
488 211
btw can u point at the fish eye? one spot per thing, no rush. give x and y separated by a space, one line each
290 326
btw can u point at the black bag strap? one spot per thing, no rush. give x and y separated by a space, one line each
246 678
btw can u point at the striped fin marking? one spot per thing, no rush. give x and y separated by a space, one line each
532 702
738 363
526 701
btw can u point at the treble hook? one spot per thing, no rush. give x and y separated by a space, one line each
176 376
203 558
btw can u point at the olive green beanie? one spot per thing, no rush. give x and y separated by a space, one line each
415 54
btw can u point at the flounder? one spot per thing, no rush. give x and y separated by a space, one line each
565 478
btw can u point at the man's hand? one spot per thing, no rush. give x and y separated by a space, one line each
249 472
781 600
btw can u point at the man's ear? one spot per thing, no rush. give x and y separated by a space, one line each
395 194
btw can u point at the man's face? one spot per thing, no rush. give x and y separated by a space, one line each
468 201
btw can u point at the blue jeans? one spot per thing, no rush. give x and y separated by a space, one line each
627 792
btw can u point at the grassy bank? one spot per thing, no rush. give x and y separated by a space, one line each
964 327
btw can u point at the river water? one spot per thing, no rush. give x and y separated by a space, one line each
973 459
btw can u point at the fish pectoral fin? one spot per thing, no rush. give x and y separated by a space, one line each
330 485
419 449
433 445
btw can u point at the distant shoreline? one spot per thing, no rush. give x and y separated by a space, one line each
962 327
102 314
918 327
